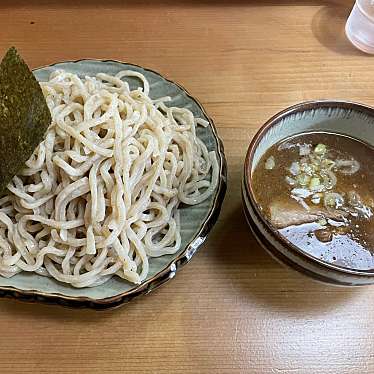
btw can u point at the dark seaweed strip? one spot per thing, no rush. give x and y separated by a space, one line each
24 116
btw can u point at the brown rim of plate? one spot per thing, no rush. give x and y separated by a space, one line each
301 107
170 269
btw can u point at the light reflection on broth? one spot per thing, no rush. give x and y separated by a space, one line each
317 189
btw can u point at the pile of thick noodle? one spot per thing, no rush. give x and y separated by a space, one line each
100 194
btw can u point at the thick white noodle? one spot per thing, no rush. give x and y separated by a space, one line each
100 194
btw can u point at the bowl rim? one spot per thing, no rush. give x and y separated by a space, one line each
247 175
170 270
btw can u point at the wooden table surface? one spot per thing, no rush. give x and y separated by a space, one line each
232 309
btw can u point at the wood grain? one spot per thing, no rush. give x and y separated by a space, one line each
232 309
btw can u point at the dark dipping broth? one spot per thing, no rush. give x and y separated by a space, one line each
317 190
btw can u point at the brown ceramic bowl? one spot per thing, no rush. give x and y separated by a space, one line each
346 118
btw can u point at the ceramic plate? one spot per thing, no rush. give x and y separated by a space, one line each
196 221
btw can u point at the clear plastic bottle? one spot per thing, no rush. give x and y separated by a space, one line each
360 26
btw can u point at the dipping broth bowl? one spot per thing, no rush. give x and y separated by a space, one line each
341 117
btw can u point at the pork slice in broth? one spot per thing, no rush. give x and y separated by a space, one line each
284 213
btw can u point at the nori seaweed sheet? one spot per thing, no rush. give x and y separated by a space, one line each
24 116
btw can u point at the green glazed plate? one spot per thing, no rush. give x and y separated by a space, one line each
196 221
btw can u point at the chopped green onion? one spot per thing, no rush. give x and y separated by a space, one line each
320 149
328 164
307 169
270 163
303 179
333 200
322 222
314 182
